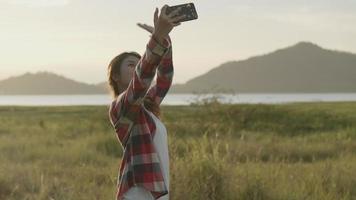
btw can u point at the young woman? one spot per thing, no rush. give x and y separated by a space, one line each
135 114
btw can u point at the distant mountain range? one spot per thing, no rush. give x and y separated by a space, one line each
46 83
304 67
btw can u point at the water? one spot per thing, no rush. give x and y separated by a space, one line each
177 99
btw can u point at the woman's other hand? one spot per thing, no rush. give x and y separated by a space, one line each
146 27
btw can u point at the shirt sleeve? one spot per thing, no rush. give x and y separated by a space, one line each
129 101
165 72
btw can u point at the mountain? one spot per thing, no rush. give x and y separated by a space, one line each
303 67
46 83
103 86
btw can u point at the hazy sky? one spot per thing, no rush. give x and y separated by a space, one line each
78 38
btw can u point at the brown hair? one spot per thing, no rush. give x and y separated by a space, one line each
114 68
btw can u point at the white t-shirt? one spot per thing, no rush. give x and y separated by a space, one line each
160 141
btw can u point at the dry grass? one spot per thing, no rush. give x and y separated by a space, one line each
253 152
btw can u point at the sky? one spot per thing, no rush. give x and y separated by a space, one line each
78 38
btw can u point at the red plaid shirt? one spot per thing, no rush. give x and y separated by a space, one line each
135 128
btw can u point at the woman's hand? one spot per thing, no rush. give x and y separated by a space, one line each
163 24
146 27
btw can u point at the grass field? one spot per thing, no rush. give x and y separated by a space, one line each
246 151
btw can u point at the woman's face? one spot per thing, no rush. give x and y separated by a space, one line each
127 69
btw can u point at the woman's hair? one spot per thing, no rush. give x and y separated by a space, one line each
114 68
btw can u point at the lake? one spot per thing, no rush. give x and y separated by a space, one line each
177 99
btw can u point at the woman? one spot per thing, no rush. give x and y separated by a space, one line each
134 112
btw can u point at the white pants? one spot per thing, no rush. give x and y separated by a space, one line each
141 193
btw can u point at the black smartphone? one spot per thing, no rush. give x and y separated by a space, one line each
187 9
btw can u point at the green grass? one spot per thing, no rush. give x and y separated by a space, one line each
246 151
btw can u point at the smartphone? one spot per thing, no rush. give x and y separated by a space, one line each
187 9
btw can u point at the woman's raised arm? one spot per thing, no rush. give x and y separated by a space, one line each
164 79
128 103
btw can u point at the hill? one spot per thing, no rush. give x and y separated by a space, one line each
303 67
45 83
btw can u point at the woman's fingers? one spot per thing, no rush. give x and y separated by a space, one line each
155 17
174 12
164 9
146 27
177 18
141 25
165 22
176 24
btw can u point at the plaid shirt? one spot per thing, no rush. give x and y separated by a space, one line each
135 128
